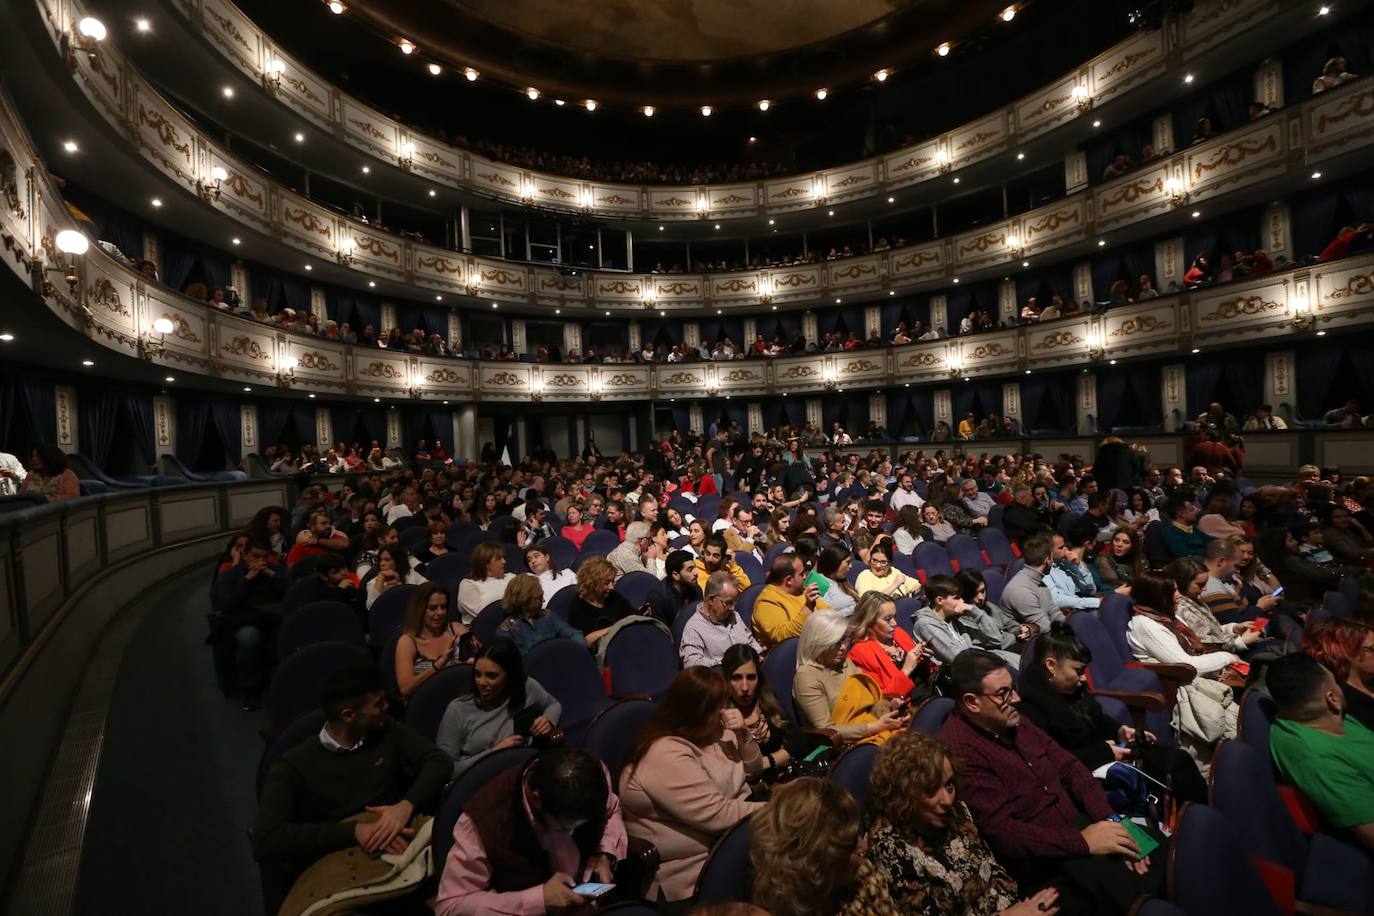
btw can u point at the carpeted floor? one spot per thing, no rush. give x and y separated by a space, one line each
174 794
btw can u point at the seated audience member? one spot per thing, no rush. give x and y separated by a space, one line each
1180 534
1224 593
831 691
408 505
330 581
486 580
786 601
429 642
1190 577
1304 583
1119 562
1020 519
685 780
49 475
1069 579
373 541
988 624
552 579
882 577
598 605
1347 539
318 538
436 544
504 709
1055 698
934 520
526 838
806 854
1333 74
1320 750
1041 811
1346 648
247 609
678 588
636 552
950 625
923 842
831 577
763 715
393 569
576 528
528 622
715 557
715 627
886 652
1026 596
361 763
535 527
910 530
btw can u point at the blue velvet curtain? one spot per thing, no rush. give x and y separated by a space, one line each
1111 391
40 401
303 419
1144 403
112 223
1204 377
1032 398
1224 101
192 416
1128 139
1316 370
1061 409
225 415
279 290
794 409
898 406
922 403
9 407
274 418
357 309
178 263
1125 262
97 414
1351 38
1223 236
139 410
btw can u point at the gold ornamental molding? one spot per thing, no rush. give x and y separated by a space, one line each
438 160
1127 62
320 362
1245 305
983 243
300 86
911 163
921 359
622 380
227 26
246 347
439 264
443 377
564 380
1145 324
671 202
307 221
1235 154
856 271
990 351
367 128
803 371
166 134
861 365
98 65
977 139
103 294
562 284
1133 192
740 285
1360 104
502 277
1057 340
239 185
681 378
915 259
557 192
731 199
620 287
851 180
376 247
1050 104
741 375
504 379
1358 285
379 369
795 280
790 193
615 200
679 288
496 178
181 328
9 183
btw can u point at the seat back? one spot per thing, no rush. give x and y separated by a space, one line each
562 601
905 564
856 569
431 699
1156 551
561 551
725 876
413 538
779 668
1257 712
318 621
680 621
642 658
1066 522
463 788
295 685
1210 869
408 522
306 725
1115 614
774 552
568 672
515 559
461 533
965 551
995 580
994 542
1107 665
386 612
906 612
1242 787
751 567
600 542
1338 605
635 587
487 623
932 560
851 771
448 570
744 606
930 718
613 732
995 517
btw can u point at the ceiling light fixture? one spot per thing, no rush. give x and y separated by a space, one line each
1020 156
764 104
1316 175
247 388
590 104
822 93
406 47
236 240
336 7
892 200
943 50
753 139
228 92
367 170
648 111
300 138
169 379
308 267
371 284
559 102
7 338
1322 11
532 94
1196 214
706 111
435 69
143 25
157 201
433 193
70 146
1097 124
91 28
470 74
882 75
88 363
1188 78
1008 14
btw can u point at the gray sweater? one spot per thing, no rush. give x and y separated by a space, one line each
1028 599
468 732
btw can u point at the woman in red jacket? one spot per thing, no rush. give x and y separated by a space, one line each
886 652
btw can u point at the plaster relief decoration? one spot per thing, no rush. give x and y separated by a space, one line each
861 366
924 359
1011 399
988 351
1143 325
1055 341
393 428
1342 116
1242 306
677 288
248 422
942 406
377 248
798 372
1173 386
9 183
381 370
246 347
181 329
1280 374
166 134
238 185
740 376
566 380
103 294
163 420
66 418
498 276
1049 225
439 265
323 428
504 380
308 221
1217 162
1356 286
319 362
624 380
444 377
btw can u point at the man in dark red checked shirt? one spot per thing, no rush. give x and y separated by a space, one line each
1039 808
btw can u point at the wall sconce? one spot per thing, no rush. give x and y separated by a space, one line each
536 389
347 248
90 32
596 390
209 192
417 386
953 366
1082 98
1013 243
942 163
1178 194
272 78
1096 346
286 369
407 158
148 348
1302 316
585 199
73 244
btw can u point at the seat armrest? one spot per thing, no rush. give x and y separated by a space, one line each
631 696
826 736
1138 699
636 871
1178 674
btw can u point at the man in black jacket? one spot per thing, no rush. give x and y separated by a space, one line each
331 581
247 604
1019 518
678 588
360 762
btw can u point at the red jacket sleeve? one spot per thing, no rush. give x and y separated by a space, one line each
876 663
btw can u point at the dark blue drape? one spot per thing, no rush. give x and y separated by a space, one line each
1062 390
1352 38
139 409
1128 140
192 415
356 309
1203 377
225 415
274 419
1032 397
1111 390
1224 101
1316 370
97 414
40 401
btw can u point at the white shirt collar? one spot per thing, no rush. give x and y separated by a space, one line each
331 745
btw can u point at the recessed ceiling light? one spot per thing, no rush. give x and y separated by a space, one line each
143 25
559 102
169 379
706 111
157 201
753 139
660 228
558 311
236 240
1020 156
308 267
648 111
764 104
336 7
956 279
376 400
1111 362
311 396
956 181
717 225
590 104
1101 243
720 311
892 292
367 170
1025 263
88 362
438 298
1097 124
6 337
770 222
300 137
1321 333
531 93
493 305
1322 11
247 388
371 283
471 74
943 50
1316 175
1197 350
70 146
1008 14
406 47
228 92
1028 372
1196 214
882 75
892 200
821 94
434 69
838 301
832 212
608 314
433 193
1188 78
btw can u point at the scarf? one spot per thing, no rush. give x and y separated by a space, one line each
1186 637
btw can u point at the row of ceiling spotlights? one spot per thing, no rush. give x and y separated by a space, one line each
408 48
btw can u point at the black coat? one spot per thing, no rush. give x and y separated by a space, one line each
1020 522
1077 723
1116 467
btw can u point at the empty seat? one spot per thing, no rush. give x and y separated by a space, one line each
931 560
642 659
562 601
613 732
851 771
930 718
428 703
1210 869
295 685
964 552
634 587
318 621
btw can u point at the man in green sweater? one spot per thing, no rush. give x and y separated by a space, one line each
361 761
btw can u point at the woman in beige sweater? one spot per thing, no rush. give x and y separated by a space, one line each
823 667
684 784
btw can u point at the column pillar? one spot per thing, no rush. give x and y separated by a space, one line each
324 428
465 432
810 328
165 425
66 407
751 333
1280 384
393 428
1162 133
1011 400
695 420
1008 309
238 279
317 305
517 335
388 317
873 321
572 336
813 413
1277 230
635 339
151 251
943 408
877 410
691 334
755 417
1269 83
248 429
1083 283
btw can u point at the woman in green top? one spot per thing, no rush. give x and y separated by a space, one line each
832 571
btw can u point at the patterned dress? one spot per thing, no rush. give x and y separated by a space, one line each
956 876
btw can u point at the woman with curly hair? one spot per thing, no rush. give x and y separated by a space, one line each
1346 648
598 605
923 841
806 852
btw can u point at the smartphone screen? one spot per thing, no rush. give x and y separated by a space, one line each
592 889
1276 592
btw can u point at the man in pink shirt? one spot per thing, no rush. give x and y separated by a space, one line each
527 837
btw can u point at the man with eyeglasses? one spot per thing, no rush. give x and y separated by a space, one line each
715 627
1038 807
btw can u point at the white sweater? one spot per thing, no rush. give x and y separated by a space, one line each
1154 642
475 594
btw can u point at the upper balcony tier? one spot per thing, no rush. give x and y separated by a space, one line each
278 96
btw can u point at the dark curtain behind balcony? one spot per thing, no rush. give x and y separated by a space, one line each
896 311
1235 379
358 310
279 290
773 417
40 402
850 408
1224 101
139 410
1214 238
910 413
666 332
274 424
192 416
98 414
112 224
1127 140
1352 38
609 337
224 414
1044 284
1319 215
794 409
1123 262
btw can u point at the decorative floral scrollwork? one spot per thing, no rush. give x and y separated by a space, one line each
989 351
621 287
167 134
1358 285
861 365
678 288
439 264
246 347
367 128
912 163
977 139
802 371
622 380
1234 154
504 379
732 199
103 294
239 185
920 359
916 259
502 277
443 377
851 180
300 86
307 221
376 247
680 378
557 192
564 380
671 202
1058 339
736 285
795 280
1145 324
496 178
181 329
1133 192
615 200
380 369
741 375
789 193
320 362
1245 305
1052 222
9 183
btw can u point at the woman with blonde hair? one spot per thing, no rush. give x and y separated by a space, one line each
598 605
429 641
486 580
883 650
830 691
527 622
807 855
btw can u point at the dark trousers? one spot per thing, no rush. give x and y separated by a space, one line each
1102 885
1173 767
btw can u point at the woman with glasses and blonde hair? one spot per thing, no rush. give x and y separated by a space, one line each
807 855
831 691
429 641
883 650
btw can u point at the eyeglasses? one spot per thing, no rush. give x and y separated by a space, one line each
1003 697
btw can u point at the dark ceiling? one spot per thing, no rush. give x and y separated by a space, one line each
640 53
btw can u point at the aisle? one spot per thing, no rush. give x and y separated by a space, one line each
174 794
